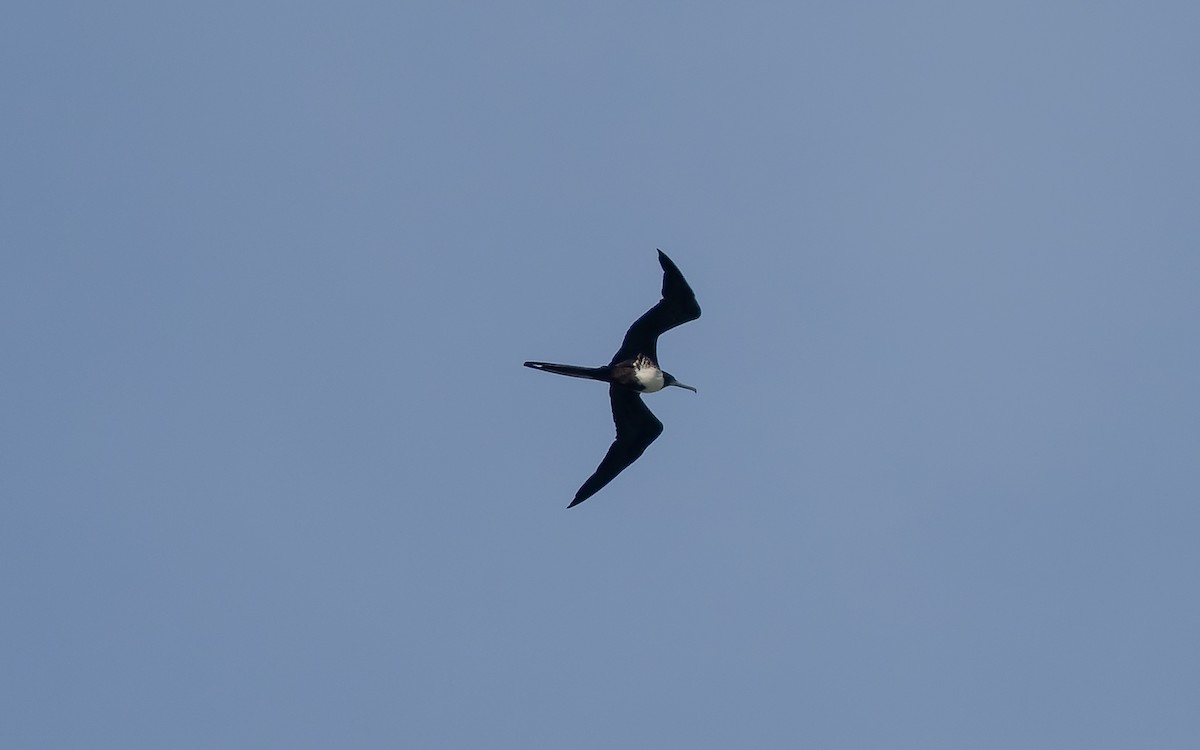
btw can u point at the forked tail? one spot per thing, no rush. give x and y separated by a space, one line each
591 373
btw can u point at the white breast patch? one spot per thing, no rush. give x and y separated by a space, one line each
651 379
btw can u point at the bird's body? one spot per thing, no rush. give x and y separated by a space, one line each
647 376
634 370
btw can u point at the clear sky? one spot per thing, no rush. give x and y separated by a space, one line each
272 475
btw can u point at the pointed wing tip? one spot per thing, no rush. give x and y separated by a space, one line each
575 502
670 270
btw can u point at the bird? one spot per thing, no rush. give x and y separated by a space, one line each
633 371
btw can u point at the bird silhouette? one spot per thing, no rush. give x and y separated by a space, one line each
633 371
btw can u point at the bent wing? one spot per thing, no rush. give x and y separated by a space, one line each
637 428
677 306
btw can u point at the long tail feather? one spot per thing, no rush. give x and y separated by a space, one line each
591 373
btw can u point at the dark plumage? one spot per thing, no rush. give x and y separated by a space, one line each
634 370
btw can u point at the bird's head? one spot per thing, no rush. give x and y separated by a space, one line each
669 379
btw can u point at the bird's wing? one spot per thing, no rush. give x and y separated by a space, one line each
637 428
677 306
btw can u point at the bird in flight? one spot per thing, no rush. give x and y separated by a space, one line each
633 371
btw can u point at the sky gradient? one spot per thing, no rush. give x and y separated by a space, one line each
273 475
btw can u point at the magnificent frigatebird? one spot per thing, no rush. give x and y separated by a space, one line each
634 370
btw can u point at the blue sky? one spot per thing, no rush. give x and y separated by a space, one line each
273 476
